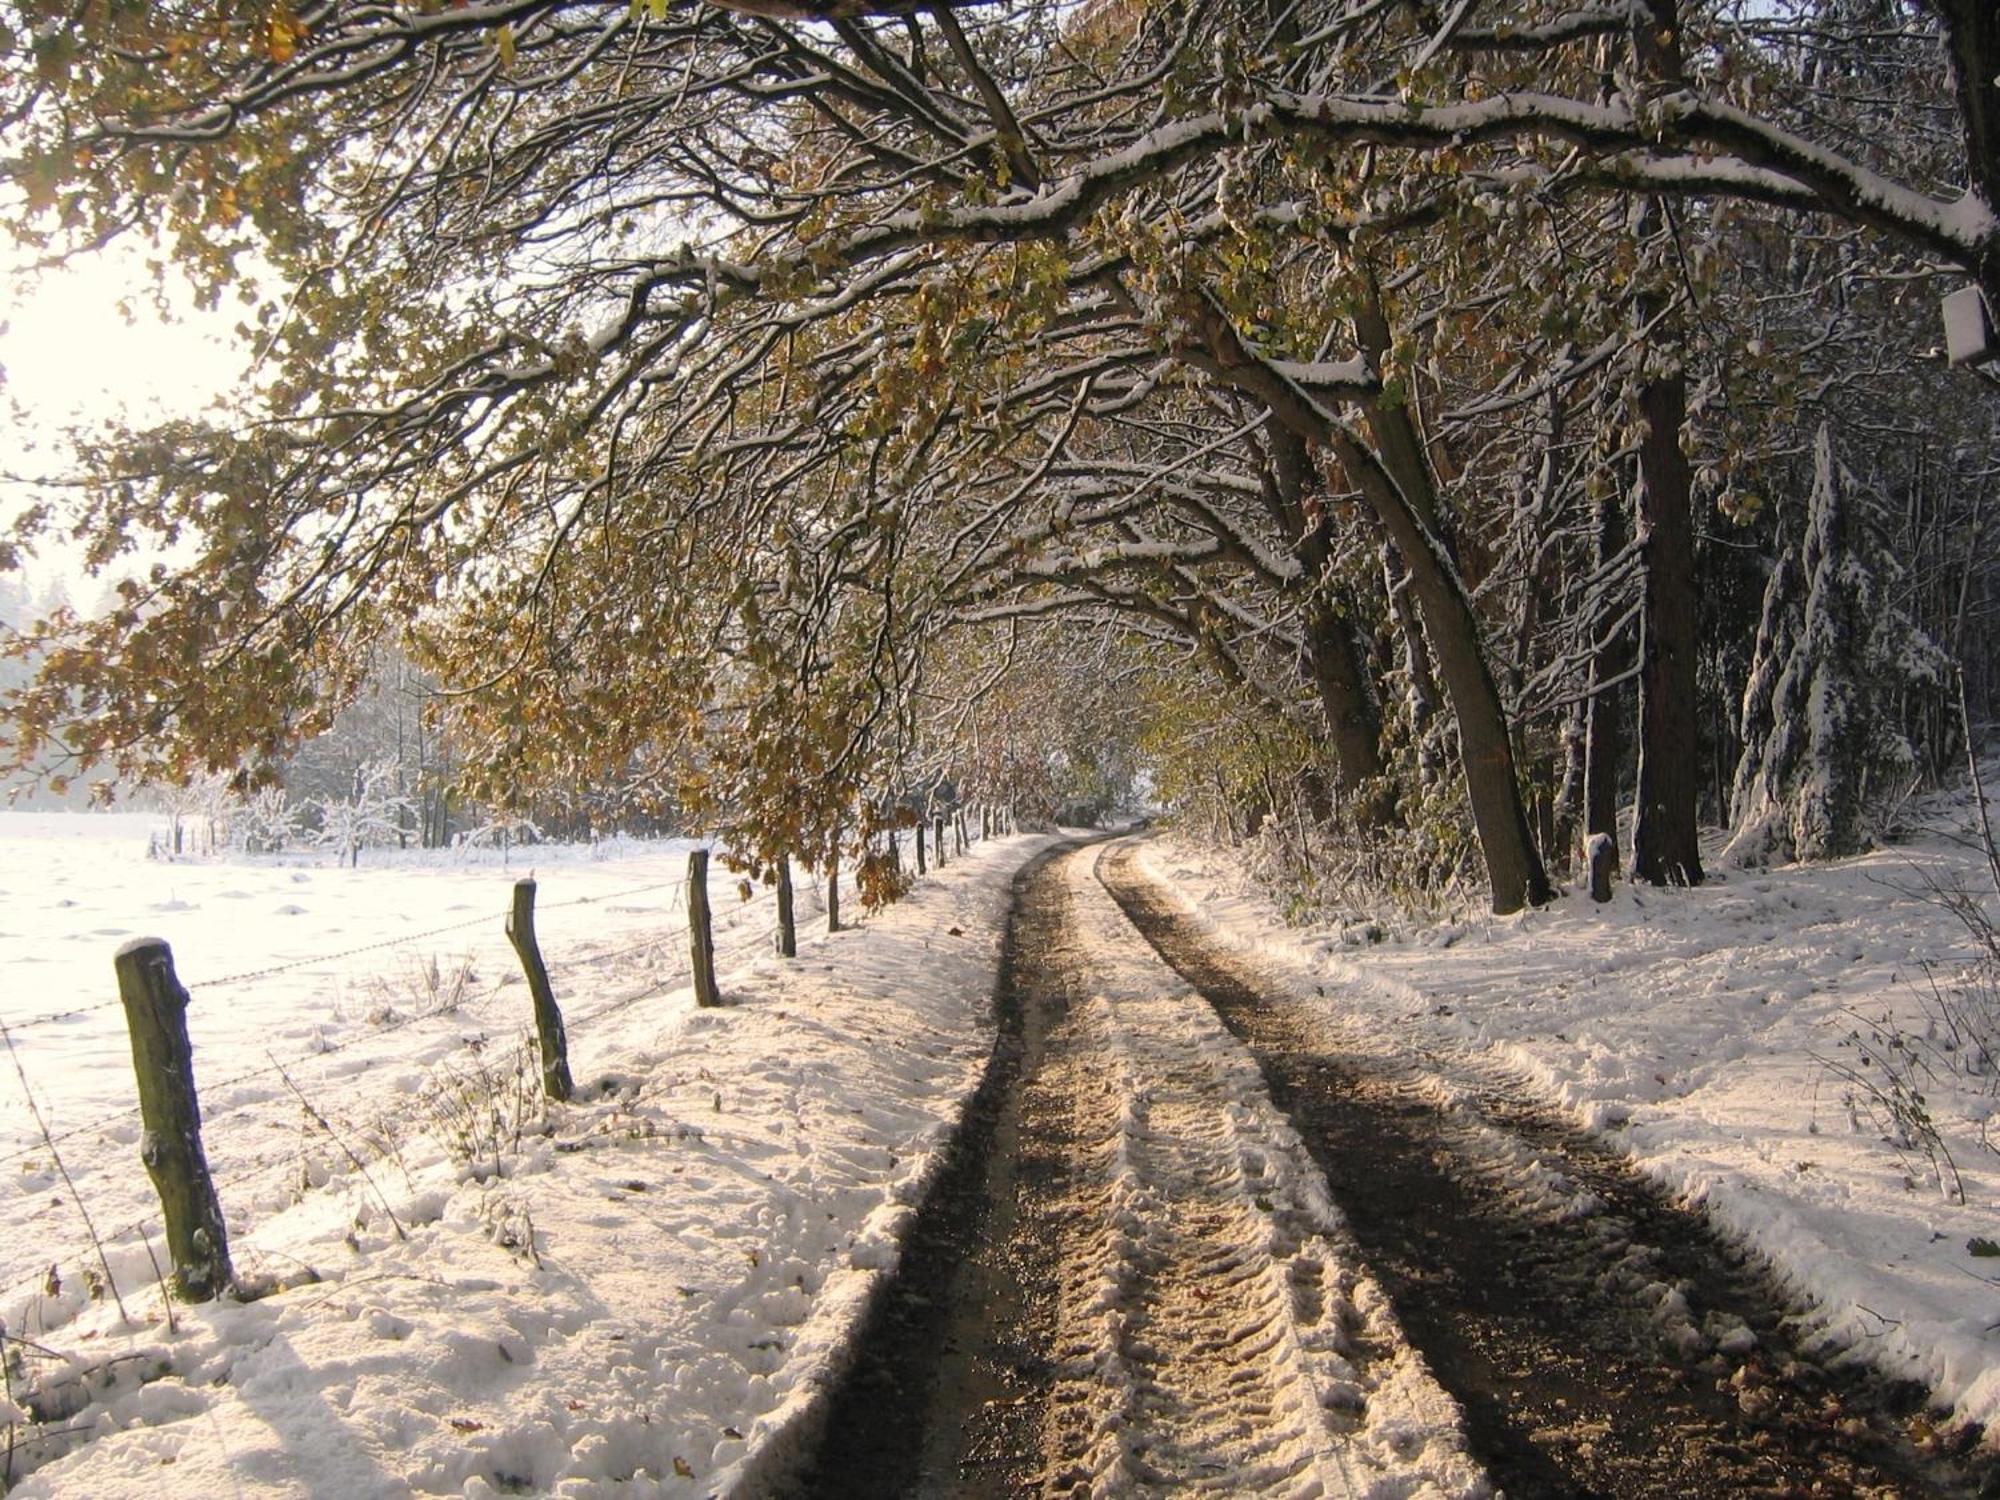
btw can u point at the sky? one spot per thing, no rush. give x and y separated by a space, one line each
69 353
69 350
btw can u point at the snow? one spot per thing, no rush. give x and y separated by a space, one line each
1203 1172
649 1290
648 1298
1692 1029
357 982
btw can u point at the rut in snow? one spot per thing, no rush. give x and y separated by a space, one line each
1131 1282
1602 1340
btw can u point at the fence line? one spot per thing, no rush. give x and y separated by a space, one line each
679 968
332 1049
560 966
328 958
30 1023
60 1015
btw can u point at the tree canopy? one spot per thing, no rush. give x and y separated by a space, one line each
735 391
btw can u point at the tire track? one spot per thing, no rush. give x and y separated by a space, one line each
1235 1349
1602 1340
1149 1293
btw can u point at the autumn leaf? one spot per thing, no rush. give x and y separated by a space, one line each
282 36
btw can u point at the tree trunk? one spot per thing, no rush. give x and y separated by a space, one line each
788 932
1486 749
1513 866
1332 653
1666 845
1407 506
1605 742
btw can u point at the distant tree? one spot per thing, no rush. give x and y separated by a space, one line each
268 821
503 831
371 815
199 809
388 721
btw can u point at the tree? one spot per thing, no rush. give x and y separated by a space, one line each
671 369
370 815
1838 661
269 821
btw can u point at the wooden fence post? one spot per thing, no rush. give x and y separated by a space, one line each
833 894
548 1019
788 932
701 937
162 1060
958 827
920 846
985 821
937 847
1602 851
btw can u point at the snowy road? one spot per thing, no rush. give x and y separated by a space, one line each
1143 1284
1185 1315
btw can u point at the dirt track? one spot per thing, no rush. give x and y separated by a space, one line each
1128 1283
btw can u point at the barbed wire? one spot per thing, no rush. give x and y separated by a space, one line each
678 883
52 1017
566 966
401 940
644 993
297 1059
57 1138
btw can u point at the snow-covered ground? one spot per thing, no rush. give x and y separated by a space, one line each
649 1295
647 1299
360 986
1695 1028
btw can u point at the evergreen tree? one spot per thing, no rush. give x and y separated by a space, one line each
1838 666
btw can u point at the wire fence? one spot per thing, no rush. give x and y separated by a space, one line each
740 931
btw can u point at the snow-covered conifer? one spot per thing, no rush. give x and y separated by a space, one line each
1838 663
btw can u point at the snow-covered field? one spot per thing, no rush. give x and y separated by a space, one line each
1694 1028
645 1300
360 986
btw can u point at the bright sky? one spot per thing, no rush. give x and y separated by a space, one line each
69 351
70 354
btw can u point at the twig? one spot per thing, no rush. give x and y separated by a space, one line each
1985 822
335 1136
48 1139
43 1350
160 1277
7 1391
